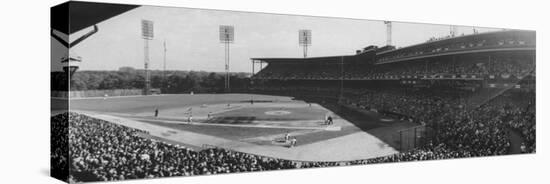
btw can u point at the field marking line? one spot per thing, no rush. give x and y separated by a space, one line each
234 125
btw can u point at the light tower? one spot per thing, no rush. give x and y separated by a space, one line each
388 32
454 30
227 36
147 34
304 39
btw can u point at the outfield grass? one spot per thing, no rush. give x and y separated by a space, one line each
139 104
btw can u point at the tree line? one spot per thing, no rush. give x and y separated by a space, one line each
172 81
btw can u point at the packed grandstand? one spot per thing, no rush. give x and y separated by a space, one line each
472 91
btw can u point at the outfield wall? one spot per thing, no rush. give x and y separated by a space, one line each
96 93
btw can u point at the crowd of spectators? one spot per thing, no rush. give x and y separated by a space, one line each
300 71
455 45
104 151
519 111
59 140
496 68
424 106
480 131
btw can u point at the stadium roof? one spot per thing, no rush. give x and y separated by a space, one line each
457 38
371 56
309 59
73 16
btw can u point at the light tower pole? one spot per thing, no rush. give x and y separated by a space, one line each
388 32
227 36
164 66
304 39
454 30
147 34
341 79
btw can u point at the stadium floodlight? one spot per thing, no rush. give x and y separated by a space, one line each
304 39
147 33
227 36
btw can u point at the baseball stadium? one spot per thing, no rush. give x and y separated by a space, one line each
458 96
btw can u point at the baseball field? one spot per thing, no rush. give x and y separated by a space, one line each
252 123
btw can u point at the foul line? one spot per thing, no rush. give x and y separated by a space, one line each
328 128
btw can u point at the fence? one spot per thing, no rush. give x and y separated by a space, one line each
96 93
410 138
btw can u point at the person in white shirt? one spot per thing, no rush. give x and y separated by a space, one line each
293 142
287 136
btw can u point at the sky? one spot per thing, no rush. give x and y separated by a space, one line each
192 38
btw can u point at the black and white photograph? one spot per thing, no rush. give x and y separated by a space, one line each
143 92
